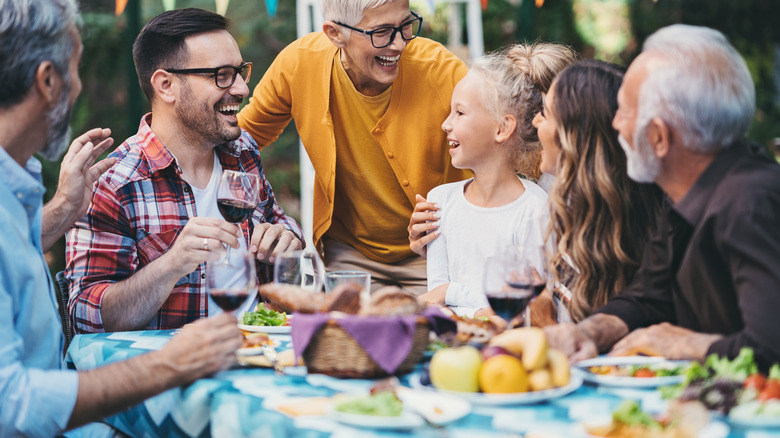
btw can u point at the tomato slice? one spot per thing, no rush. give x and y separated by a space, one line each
644 372
771 391
756 381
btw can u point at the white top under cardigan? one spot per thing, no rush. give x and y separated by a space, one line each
470 234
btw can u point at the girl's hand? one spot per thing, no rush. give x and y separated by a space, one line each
423 225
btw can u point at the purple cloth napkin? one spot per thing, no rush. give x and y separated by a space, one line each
387 340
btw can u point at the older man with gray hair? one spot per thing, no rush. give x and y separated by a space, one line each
39 82
710 275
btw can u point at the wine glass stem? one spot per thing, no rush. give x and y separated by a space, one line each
527 316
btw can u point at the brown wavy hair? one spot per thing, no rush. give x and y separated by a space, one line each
600 218
515 79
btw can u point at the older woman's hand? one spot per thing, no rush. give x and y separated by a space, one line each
423 225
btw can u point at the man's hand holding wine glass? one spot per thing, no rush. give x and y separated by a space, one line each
200 238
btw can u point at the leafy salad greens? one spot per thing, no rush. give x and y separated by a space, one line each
264 317
384 404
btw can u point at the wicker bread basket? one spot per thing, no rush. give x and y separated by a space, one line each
334 352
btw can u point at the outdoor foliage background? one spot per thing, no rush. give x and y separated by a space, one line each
611 30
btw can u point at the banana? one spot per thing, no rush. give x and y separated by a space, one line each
559 367
528 343
540 380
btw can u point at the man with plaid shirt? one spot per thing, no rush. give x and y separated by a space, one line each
137 259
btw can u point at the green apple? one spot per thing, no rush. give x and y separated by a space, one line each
456 369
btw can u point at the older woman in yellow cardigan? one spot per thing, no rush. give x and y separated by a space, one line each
368 98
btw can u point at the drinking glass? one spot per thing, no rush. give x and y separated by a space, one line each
360 278
513 279
232 283
300 268
238 194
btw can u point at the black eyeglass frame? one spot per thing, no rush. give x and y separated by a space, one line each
396 29
215 72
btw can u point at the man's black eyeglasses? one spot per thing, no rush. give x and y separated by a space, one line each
384 36
224 76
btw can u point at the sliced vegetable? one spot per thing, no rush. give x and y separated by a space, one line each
756 381
771 391
644 372
265 317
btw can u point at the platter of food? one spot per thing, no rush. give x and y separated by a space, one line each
515 367
734 390
631 371
509 399
400 409
264 320
253 344
681 420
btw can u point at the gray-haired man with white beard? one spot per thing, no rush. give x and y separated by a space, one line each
710 275
39 83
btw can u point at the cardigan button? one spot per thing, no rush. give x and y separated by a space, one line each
390 155
405 183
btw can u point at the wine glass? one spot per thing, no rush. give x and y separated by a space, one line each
300 268
231 284
238 194
513 279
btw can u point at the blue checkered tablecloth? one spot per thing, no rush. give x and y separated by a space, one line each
241 402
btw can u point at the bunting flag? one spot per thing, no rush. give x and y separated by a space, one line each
270 6
484 5
539 3
169 5
222 6
431 6
119 7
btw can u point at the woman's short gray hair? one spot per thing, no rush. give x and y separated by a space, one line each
349 12
33 31
703 89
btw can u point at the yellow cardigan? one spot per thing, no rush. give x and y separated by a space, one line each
297 86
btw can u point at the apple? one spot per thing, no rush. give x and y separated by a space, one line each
493 350
456 369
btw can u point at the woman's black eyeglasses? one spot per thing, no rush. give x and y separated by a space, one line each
384 36
224 76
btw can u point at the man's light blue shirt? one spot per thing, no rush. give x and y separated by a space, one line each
37 395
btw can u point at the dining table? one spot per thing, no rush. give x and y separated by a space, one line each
245 401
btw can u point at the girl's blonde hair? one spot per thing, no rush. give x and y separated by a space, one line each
514 81
599 217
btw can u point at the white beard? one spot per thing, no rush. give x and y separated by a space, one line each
643 165
58 128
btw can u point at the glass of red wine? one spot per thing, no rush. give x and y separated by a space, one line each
231 284
238 194
513 279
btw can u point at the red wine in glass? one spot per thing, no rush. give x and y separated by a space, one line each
235 211
229 300
238 194
514 299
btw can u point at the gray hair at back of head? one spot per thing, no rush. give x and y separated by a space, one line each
31 32
703 89
349 12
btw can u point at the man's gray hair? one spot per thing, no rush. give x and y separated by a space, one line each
349 12
31 32
703 88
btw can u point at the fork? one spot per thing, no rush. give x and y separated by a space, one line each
269 353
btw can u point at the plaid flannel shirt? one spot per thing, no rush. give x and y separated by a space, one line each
138 208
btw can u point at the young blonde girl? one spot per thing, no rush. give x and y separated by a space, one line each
490 132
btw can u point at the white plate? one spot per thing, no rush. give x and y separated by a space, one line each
270 329
581 369
755 422
521 398
407 420
437 408
713 429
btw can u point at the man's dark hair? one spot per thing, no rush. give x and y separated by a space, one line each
161 42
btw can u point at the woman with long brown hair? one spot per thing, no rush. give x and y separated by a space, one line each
599 217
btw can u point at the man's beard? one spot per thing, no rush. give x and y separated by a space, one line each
643 165
202 121
58 124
